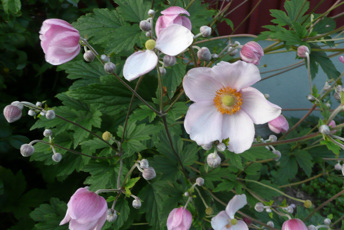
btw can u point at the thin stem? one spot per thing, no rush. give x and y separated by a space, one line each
309 72
175 100
225 37
190 3
221 12
107 190
119 172
337 221
304 181
200 195
161 107
282 142
335 112
128 174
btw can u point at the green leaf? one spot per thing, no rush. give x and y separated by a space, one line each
281 17
253 169
257 153
17 140
142 113
11 6
263 191
123 211
321 58
133 11
124 39
304 159
102 175
224 186
325 25
296 9
331 146
288 169
173 78
131 183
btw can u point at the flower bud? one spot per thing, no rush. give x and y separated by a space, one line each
332 124
104 58
162 70
233 52
205 31
109 67
302 50
111 215
200 181
57 157
149 173
294 224
144 164
107 136
151 12
42 113
89 56
209 211
207 146
341 59
327 221
27 150
310 98
272 138
326 86
308 204
31 113
338 167
149 34
39 104
215 56
279 125
268 210
221 147
251 52
204 54
271 224
18 104
259 207
278 154
324 129
136 203
179 218
290 209
169 60
12 113
150 44
312 227
145 25
186 194
50 114
213 160
47 133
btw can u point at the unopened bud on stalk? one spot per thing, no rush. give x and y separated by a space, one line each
272 138
39 104
169 60
109 67
209 211
104 58
221 147
278 154
107 136
111 215
47 133
151 12
251 52
312 227
326 86
215 56
144 164
233 52
89 56
12 113
56 157
145 25
204 54
149 173
207 146
338 167
27 150
42 113
31 113
200 181
259 207
50 114
149 34
205 31
308 204
290 209
136 203
18 104
311 98
268 210
324 129
162 70
213 160
327 221
271 224
302 50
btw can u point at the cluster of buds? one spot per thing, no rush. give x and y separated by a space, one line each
109 67
147 25
290 208
327 223
260 207
272 138
148 173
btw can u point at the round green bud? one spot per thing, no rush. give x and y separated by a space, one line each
308 204
209 211
107 136
150 44
234 221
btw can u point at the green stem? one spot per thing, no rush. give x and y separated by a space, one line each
200 195
304 181
161 106
175 100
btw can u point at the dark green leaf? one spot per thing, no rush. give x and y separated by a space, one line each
304 159
173 78
133 11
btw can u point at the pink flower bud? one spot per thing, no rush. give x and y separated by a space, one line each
251 52
332 124
86 210
294 224
59 41
179 219
341 59
12 113
149 173
302 50
279 125
172 16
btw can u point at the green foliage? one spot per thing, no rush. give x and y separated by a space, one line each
11 6
173 78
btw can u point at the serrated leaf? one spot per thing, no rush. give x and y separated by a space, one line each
296 9
321 58
11 6
304 159
102 175
253 169
287 170
224 186
133 11
331 146
325 25
173 78
257 153
281 17
263 191
142 113
123 211
165 167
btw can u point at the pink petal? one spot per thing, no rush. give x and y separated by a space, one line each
203 122
241 225
294 224
101 222
75 225
186 22
237 75
174 39
139 63
66 219
239 129
341 59
187 219
257 107
220 221
236 203
175 218
163 22
199 85
279 125
173 10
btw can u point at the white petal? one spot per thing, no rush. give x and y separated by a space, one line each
241 225
139 63
237 75
203 122
219 221
199 85
174 39
236 203
239 129
257 107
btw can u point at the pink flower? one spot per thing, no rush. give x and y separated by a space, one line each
225 219
279 125
332 124
59 41
251 52
170 16
86 211
172 41
179 219
341 59
225 104
294 224
302 51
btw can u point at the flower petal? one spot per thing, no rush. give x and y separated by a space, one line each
66 219
175 10
219 221
174 39
186 22
237 75
203 122
163 22
257 107
75 225
139 63
199 85
236 203
101 222
241 225
239 129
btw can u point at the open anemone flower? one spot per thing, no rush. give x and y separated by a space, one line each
172 41
225 219
225 104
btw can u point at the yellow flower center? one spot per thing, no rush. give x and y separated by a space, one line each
150 44
228 100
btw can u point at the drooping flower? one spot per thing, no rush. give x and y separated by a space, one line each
86 211
341 59
172 41
302 51
170 16
225 104
59 41
225 219
251 52
179 219
294 224
279 125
